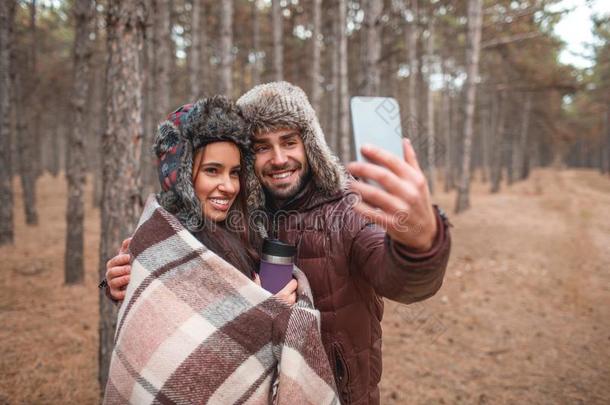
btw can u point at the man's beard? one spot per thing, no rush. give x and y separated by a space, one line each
284 193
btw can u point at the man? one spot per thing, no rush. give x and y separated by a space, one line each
390 243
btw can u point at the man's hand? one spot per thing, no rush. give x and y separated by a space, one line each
118 270
403 206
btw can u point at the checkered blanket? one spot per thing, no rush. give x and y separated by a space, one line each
193 329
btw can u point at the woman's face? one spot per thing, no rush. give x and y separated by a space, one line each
216 171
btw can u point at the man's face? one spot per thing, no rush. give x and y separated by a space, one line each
280 162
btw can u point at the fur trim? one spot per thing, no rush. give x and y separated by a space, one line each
280 105
215 119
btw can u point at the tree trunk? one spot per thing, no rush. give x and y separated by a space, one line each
372 16
344 135
226 45
76 168
607 134
31 87
497 145
475 22
334 96
520 157
121 150
256 44
195 57
278 47
412 32
316 90
447 128
26 151
7 12
485 133
430 109
162 55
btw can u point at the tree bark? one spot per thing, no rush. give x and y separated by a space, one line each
430 109
26 152
316 90
7 13
256 44
475 22
372 16
76 167
412 32
31 88
344 135
497 145
226 46
195 50
278 46
447 128
521 151
334 96
121 149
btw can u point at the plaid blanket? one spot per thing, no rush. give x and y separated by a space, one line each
193 329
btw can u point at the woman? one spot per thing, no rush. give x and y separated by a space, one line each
194 327
202 151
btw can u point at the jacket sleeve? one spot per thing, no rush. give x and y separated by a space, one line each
393 270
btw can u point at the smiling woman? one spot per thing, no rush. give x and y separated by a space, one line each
216 178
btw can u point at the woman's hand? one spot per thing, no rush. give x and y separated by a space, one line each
288 294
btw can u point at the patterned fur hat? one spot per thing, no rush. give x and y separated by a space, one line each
186 130
280 105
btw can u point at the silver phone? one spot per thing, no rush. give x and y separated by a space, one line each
376 121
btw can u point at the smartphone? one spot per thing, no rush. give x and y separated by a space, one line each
376 121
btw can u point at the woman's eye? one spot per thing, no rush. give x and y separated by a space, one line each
235 173
210 170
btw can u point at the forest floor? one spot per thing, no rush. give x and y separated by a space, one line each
523 315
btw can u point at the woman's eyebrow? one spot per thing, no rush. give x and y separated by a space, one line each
215 164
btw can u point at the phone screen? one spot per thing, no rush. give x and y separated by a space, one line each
376 121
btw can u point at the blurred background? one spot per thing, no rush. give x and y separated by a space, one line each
506 102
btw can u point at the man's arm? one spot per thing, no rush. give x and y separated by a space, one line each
405 260
394 270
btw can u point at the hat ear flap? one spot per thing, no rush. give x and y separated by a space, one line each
174 168
169 147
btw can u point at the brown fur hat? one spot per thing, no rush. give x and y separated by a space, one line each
280 105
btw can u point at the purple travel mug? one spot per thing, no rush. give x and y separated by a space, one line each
276 265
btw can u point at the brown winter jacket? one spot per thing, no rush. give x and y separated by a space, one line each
350 265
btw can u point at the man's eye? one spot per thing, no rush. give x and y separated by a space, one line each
260 148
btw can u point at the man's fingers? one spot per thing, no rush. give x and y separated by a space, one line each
388 180
117 295
374 215
118 283
409 153
125 246
118 260
118 271
377 198
386 159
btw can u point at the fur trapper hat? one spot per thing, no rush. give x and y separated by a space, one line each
280 105
186 130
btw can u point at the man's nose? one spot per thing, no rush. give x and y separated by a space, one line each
279 158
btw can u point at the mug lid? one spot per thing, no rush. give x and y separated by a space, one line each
274 247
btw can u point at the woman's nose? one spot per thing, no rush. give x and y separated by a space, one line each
227 185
